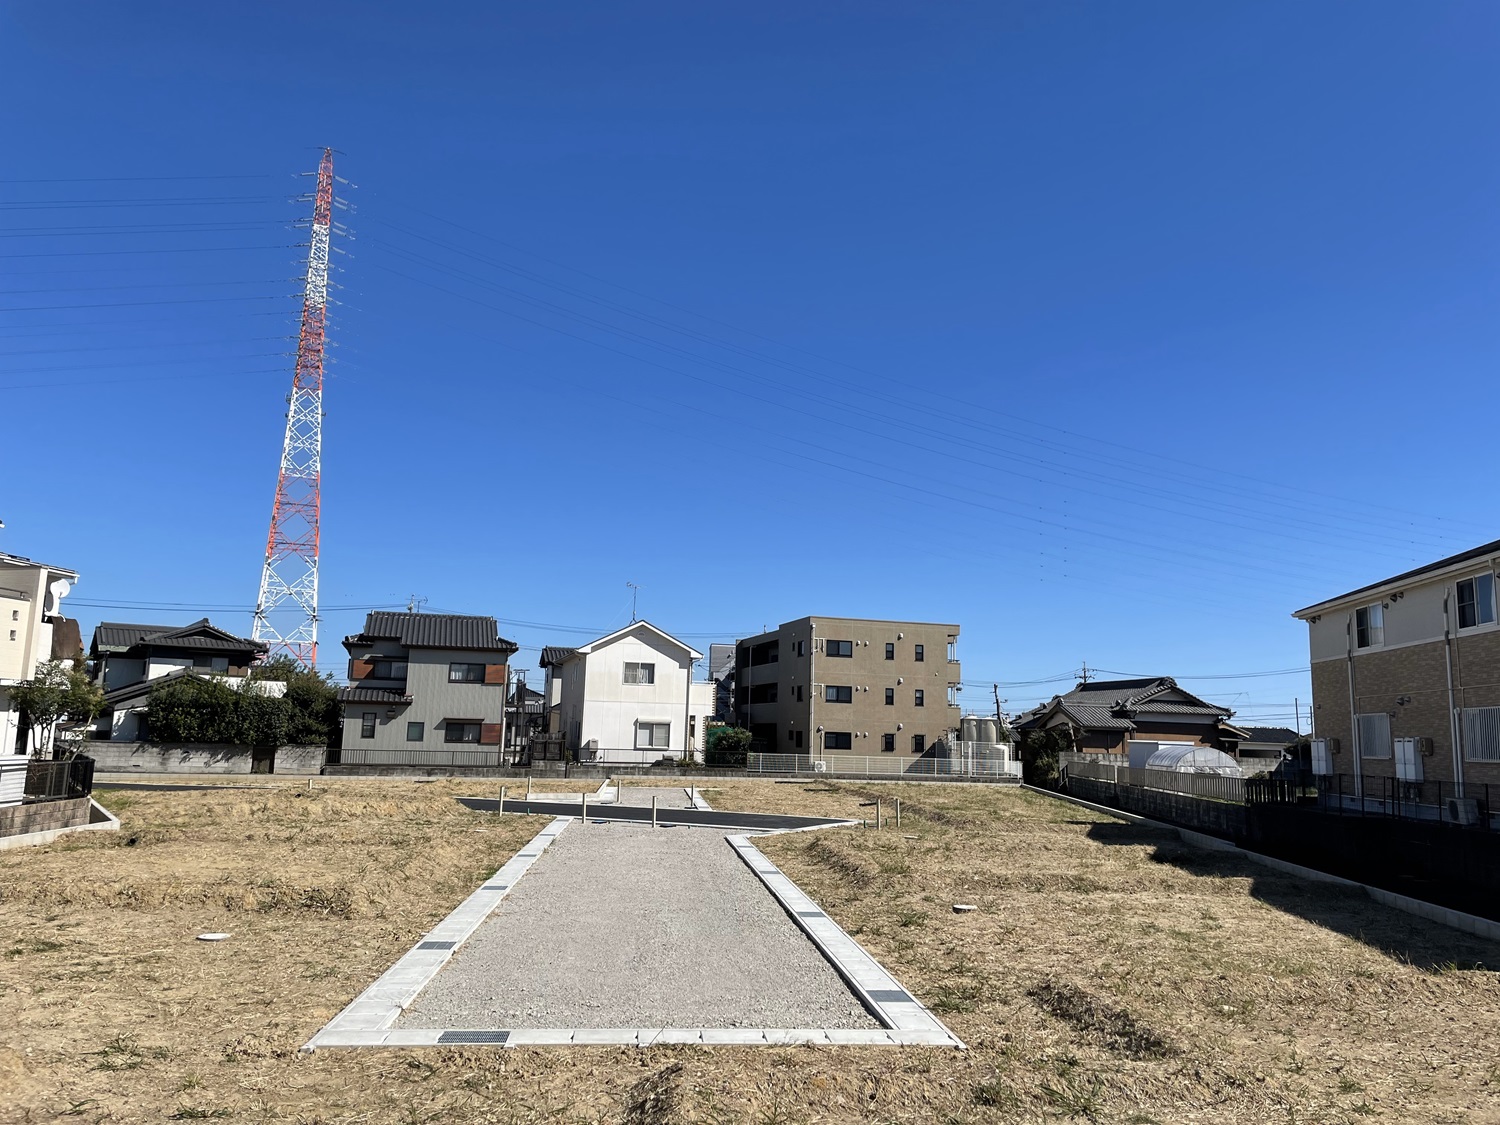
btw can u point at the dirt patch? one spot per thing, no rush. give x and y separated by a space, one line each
657 1099
1112 1028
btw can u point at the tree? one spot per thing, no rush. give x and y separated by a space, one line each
60 689
1039 750
726 746
313 700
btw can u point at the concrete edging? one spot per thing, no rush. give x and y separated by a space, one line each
1431 912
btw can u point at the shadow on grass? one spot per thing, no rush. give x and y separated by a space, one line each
1344 910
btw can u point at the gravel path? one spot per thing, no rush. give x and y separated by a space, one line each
621 926
665 798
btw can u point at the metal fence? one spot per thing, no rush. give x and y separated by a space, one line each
59 780
1212 786
1437 801
486 759
889 765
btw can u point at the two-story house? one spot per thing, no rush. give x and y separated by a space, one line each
630 697
129 660
425 689
829 686
1406 675
32 630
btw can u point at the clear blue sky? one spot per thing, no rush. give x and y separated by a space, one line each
1113 332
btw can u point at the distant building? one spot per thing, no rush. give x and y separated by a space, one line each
1267 742
721 675
629 697
129 660
32 630
425 689
1406 675
829 686
1105 716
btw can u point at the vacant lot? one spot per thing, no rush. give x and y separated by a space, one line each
1110 973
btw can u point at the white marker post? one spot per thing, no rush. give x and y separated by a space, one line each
500 811
653 811
584 819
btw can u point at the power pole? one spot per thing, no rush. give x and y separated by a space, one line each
286 609
1083 676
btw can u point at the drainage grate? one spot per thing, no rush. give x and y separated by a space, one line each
890 996
473 1037
436 944
496 887
811 914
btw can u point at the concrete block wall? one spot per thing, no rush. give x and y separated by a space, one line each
159 758
43 816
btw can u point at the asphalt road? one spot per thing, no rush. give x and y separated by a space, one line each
694 818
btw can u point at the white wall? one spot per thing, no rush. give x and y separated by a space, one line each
597 704
1416 617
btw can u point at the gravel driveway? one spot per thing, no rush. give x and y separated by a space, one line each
622 926
665 798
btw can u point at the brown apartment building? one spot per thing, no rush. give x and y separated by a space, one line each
828 686
1406 675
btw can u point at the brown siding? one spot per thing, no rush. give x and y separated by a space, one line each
360 669
489 734
495 673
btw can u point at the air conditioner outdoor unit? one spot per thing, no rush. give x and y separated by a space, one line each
820 766
1463 810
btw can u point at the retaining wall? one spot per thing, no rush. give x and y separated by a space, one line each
1222 818
153 757
43 816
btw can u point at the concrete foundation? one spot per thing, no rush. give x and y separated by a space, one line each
153 758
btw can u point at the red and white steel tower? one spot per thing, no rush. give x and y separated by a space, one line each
286 611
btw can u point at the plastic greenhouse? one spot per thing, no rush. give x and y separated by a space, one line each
1194 759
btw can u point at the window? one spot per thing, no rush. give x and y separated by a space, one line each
768 652
415 732
799 693
952 652
791 734
840 648
1369 626
919 744
801 648
639 673
465 674
219 664
396 670
1374 735
890 650
833 693
921 698
760 693
1481 731
799 740
12 634
1476 601
890 697
888 743
952 695
367 725
15 615
837 740
921 654
652 736
460 730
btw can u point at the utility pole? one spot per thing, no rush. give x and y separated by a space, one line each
634 590
1083 676
997 701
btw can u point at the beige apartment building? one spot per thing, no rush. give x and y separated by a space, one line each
1406 676
828 686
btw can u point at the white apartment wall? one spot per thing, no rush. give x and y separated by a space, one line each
598 706
1416 617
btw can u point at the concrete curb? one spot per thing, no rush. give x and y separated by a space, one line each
1456 919
909 1021
377 1007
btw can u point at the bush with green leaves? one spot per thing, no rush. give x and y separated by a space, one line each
726 746
58 690
190 709
1039 750
313 719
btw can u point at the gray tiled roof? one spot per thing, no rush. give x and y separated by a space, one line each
1283 735
556 654
438 630
1112 704
118 636
372 695
1095 715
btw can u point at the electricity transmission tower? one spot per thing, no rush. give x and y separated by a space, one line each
286 610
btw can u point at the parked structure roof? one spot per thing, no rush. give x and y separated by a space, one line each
372 695
1112 704
434 630
1283 735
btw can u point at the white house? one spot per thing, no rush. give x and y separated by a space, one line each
630 697
32 630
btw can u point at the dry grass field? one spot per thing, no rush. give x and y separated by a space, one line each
1110 974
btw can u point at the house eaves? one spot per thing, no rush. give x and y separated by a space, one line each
1451 564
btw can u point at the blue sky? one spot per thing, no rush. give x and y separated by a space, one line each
1112 332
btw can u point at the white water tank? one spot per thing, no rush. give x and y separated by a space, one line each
989 730
968 728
